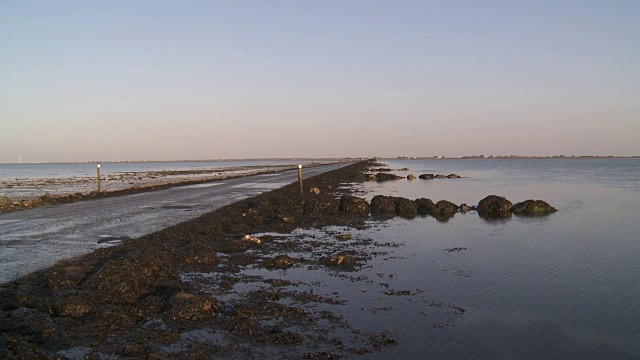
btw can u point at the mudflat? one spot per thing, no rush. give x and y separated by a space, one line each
189 291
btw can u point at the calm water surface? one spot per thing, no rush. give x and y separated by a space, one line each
562 286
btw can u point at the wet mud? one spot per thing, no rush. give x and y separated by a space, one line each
210 287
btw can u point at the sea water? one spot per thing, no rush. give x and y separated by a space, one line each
561 286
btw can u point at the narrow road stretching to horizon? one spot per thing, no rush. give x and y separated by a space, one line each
34 239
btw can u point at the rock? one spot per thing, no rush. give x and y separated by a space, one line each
353 205
129 279
494 206
385 177
379 169
532 208
73 307
427 176
392 205
320 204
371 177
281 262
453 176
189 307
425 206
465 208
4 201
445 208
253 239
404 169
411 177
343 260
406 207
439 176
27 203
343 237
383 205
315 190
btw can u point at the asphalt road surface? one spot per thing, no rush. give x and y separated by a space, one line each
37 238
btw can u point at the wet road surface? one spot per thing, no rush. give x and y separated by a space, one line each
37 238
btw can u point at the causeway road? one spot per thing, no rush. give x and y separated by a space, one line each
37 238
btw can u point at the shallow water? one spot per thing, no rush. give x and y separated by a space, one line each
562 286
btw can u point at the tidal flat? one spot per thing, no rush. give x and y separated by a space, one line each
313 280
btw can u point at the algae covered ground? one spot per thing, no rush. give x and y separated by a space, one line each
227 284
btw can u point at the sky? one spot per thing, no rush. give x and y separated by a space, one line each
186 80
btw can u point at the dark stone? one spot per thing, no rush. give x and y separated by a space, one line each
4 201
494 206
406 207
127 280
411 177
383 205
391 205
189 307
425 206
386 177
465 208
453 176
354 205
439 176
404 169
73 307
533 208
427 176
445 208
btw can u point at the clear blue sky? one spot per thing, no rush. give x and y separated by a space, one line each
161 80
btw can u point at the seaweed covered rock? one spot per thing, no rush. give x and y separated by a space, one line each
425 206
386 177
406 207
383 205
74 306
354 205
187 307
4 201
532 208
494 206
445 208
427 176
321 204
391 205
128 280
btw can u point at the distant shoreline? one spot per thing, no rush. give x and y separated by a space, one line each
511 157
187 161
470 157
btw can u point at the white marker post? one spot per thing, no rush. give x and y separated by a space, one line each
300 178
98 171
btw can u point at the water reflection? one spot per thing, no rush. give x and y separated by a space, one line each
496 220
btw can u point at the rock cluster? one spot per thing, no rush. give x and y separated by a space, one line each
532 208
491 207
439 176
